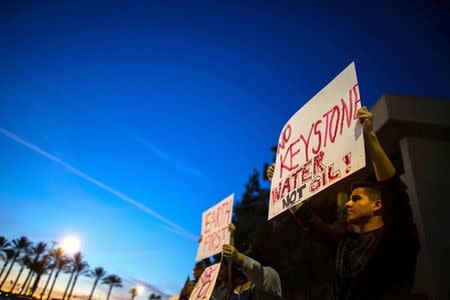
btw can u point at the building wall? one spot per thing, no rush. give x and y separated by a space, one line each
426 171
415 133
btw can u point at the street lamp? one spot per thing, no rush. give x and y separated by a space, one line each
140 289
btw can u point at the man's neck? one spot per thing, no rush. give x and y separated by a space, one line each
373 223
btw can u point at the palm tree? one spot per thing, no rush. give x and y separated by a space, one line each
70 268
113 281
24 261
80 267
4 245
7 257
41 267
19 245
37 251
133 293
60 261
27 284
29 264
98 273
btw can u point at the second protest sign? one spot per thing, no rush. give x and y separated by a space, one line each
215 231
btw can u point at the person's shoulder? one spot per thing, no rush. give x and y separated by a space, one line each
270 269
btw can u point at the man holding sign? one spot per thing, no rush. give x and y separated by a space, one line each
250 279
379 261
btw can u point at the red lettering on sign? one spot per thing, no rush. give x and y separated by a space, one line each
286 186
306 142
317 133
276 195
295 176
354 96
318 165
332 175
285 137
335 111
306 172
289 156
347 160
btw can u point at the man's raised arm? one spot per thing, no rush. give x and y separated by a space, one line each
384 169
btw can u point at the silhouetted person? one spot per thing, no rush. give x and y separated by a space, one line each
189 285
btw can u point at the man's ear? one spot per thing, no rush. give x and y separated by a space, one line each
377 207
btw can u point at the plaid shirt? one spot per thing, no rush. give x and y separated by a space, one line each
374 265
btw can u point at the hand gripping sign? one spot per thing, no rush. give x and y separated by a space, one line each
319 145
215 231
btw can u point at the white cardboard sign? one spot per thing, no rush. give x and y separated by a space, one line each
215 231
319 145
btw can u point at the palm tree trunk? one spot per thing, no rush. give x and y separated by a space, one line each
34 287
28 283
53 284
24 287
9 270
68 285
17 278
73 285
3 268
109 292
93 288
46 284
29 276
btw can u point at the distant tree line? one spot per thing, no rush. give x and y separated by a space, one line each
36 260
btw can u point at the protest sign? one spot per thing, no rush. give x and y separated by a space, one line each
205 285
321 144
215 231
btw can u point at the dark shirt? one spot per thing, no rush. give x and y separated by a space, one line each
374 265
246 295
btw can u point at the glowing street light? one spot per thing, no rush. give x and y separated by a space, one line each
70 244
140 289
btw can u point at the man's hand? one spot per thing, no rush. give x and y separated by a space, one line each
231 227
270 171
230 252
366 119
296 207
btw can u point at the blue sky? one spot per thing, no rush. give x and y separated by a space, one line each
165 108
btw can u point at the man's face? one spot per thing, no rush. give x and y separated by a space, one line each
359 207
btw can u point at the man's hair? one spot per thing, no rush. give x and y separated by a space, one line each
371 188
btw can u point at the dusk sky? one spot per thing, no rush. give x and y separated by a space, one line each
122 121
